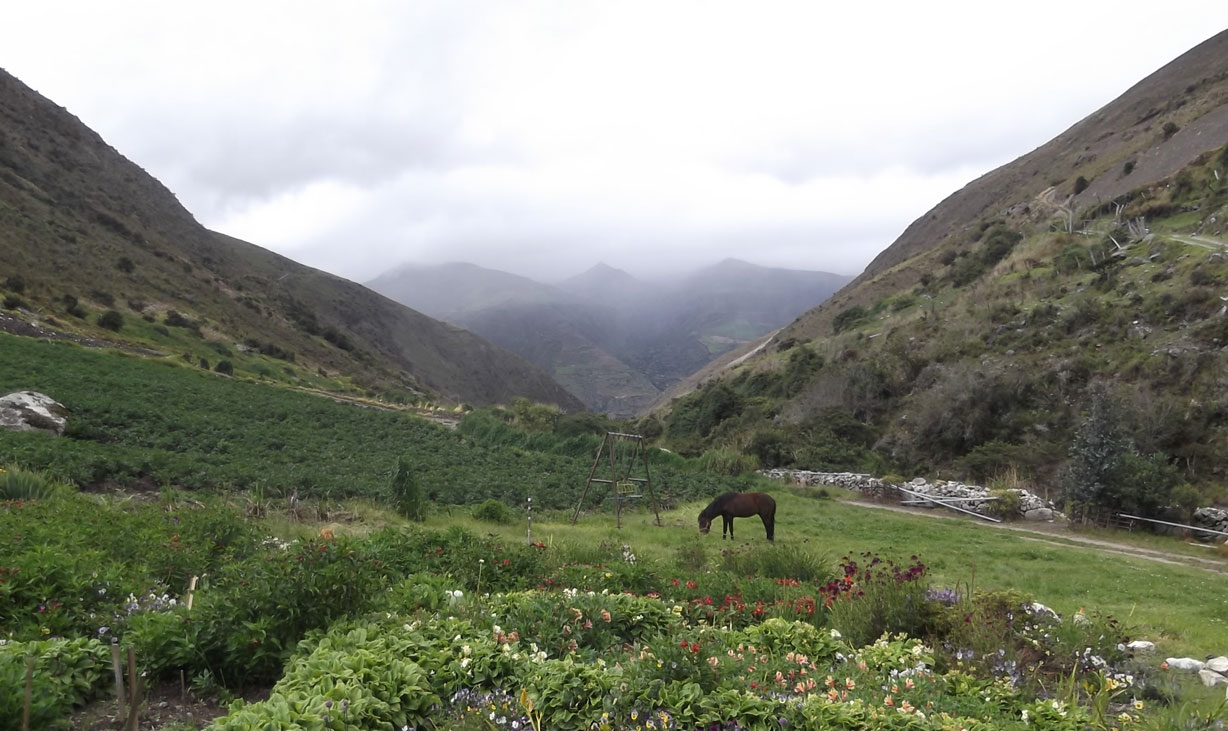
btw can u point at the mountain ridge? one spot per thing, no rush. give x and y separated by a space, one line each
613 340
84 231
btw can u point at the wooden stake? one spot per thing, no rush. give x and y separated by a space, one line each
134 697
117 667
183 686
191 588
25 711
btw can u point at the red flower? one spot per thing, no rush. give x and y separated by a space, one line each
694 647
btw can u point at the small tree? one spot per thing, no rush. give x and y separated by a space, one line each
1106 470
407 495
1099 446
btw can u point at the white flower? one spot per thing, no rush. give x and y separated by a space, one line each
835 634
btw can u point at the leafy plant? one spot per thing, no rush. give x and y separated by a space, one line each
22 484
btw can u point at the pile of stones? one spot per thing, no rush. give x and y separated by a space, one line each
1212 518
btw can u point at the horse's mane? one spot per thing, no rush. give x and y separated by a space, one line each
713 508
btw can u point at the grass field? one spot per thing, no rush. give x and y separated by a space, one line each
1184 610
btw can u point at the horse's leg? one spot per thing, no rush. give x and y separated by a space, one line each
769 525
729 525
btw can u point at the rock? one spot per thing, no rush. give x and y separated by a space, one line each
1041 609
32 411
1038 514
1211 679
1185 663
1141 646
1218 664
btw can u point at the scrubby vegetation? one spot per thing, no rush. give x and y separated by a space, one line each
1014 341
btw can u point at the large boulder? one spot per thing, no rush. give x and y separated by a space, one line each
32 411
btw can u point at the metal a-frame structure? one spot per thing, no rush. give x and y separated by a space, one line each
623 486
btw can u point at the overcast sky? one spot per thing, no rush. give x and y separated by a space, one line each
543 137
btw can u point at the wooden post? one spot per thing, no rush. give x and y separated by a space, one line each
134 696
25 710
117 667
191 588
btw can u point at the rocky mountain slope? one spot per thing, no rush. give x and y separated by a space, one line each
84 233
1085 282
612 340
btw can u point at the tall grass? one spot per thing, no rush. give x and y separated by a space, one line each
17 483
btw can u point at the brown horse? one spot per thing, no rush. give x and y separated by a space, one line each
740 505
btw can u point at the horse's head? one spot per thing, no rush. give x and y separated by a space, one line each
705 524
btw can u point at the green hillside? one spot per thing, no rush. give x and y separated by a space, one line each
140 423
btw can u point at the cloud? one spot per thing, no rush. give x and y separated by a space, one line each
542 137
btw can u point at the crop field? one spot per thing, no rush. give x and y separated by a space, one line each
157 422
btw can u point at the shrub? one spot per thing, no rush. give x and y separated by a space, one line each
407 495
111 320
72 306
13 302
15 283
224 367
125 265
877 598
1169 129
849 318
1007 504
726 462
493 511
1080 184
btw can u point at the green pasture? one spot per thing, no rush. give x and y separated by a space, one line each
1184 610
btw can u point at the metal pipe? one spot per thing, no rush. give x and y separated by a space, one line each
931 498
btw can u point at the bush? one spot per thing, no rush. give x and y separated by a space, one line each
13 302
15 283
493 511
877 598
726 462
224 367
407 495
111 320
1006 506
849 318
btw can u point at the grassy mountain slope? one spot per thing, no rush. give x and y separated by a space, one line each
975 345
84 231
1148 134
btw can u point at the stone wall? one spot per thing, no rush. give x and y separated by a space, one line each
1031 506
974 497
